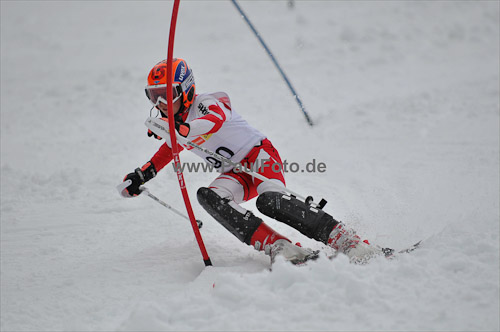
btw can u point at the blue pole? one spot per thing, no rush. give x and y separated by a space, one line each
295 95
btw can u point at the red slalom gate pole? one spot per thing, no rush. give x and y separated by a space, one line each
173 139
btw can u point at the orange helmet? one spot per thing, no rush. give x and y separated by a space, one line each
182 83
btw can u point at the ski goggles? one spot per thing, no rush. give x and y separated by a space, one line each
158 93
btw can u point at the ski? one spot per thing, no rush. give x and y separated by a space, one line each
411 248
391 253
388 253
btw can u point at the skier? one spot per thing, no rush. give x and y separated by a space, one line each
209 120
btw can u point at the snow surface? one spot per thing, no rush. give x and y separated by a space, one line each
405 97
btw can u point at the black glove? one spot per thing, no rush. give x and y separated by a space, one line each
139 177
150 133
182 128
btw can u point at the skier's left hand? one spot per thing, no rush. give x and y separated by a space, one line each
182 128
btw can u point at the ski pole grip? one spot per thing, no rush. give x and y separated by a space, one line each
322 203
122 186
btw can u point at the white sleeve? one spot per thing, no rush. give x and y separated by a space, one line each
210 115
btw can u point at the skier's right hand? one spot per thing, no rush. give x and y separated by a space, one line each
138 178
150 133
136 181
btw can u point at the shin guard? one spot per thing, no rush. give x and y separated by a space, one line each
240 222
312 222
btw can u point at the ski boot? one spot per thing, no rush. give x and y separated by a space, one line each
293 253
348 242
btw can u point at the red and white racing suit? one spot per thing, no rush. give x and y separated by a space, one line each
215 126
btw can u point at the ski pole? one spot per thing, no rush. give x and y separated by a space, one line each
275 62
149 194
308 200
122 186
157 126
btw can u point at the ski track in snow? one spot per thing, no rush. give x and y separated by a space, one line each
405 97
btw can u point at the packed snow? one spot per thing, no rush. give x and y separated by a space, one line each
405 100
